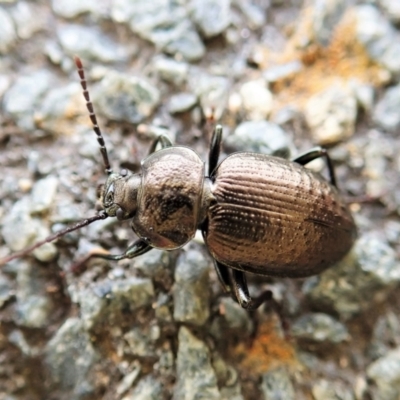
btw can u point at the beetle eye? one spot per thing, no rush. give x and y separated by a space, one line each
110 195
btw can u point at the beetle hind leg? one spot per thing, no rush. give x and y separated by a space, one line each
235 283
313 154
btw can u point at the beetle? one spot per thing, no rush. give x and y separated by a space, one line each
257 213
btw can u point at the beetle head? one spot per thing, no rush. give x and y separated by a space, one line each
118 196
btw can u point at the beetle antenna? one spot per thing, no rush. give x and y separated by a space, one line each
54 236
92 115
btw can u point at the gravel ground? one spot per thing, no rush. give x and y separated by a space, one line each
281 76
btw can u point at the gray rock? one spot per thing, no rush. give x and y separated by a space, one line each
191 290
211 90
331 115
256 99
140 343
261 137
234 319
386 113
6 290
58 109
71 9
365 276
386 332
34 307
385 373
278 72
123 97
211 16
8 36
276 385
380 39
70 358
90 43
23 97
147 388
25 25
319 327
19 229
196 378
324 19
109 300
255 15
156 264
326 390
164 23
391 9
181 102
43 194
17 338
171 70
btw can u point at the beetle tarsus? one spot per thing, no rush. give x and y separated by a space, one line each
136 249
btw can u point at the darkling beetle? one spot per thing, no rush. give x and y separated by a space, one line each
257 213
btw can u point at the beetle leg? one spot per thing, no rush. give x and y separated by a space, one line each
136 249
239 287
164 140
223 275
313 154
215 148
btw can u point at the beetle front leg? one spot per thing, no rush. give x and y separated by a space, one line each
215 148
312 155
136 249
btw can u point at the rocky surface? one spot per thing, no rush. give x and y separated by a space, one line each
281 77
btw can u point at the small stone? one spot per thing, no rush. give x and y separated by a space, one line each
90 43
326 390
257 99
73 8
191 289
331 115
365 276
260 137
276 384
385 373
140 343
23 97
43 194
379 37
181 102
171 70
110 300
319 327
391 9
59 108
26 25
386 113
127 98
254 14
147 388
34 307
164 23
6 291
278 72
8 36
70 356
194 372
211 16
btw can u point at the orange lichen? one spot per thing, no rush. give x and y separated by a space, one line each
343 60
268 350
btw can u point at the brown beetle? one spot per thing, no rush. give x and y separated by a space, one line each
258 213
